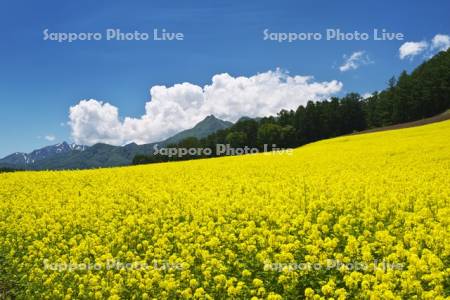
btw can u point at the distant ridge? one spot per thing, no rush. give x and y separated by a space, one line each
73 156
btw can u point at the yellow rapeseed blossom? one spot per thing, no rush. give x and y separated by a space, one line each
355 217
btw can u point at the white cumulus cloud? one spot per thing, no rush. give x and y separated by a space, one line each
50 137
411 49
181 106
354 61
440 42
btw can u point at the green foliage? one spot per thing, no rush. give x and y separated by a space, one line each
423 93
236 139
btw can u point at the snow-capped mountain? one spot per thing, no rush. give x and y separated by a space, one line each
72 156
20 158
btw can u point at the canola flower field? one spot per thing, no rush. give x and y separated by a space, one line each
355 217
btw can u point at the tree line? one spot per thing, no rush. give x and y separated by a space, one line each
8 170
423 93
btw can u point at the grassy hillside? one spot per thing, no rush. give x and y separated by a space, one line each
352 217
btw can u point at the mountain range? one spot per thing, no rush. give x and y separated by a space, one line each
20 158
73 156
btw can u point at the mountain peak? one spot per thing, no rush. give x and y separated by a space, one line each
208 119
22 159
211 117
208 125
212 124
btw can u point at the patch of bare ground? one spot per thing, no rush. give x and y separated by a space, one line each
438 118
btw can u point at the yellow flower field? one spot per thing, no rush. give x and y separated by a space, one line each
364 216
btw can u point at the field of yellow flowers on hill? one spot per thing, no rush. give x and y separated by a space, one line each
363 216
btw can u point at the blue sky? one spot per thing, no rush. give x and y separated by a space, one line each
40 80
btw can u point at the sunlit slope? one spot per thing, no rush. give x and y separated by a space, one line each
240 227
